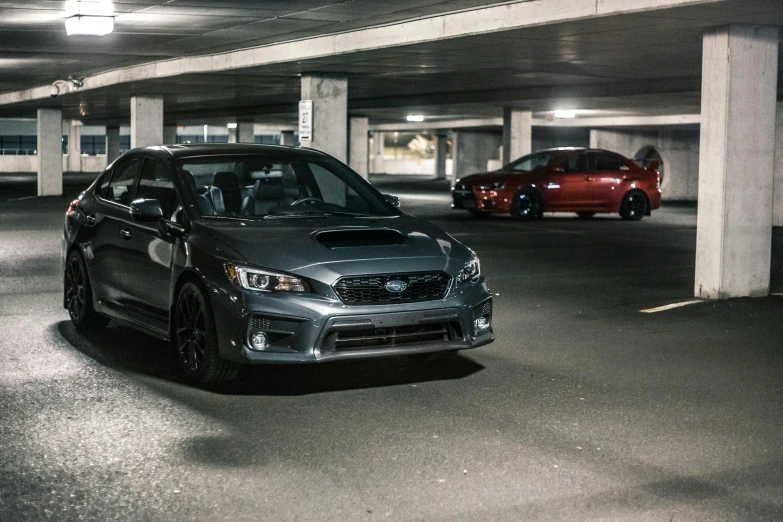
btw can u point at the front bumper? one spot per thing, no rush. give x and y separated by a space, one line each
308 328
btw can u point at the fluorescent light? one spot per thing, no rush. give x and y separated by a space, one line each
89 25
232 125
565 114
415 117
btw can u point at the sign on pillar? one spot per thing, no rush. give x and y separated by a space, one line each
306 120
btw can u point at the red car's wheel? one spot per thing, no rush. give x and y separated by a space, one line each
634 206
526 205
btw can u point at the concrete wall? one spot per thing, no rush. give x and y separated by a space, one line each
679 149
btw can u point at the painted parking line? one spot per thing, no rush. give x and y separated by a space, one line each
670 306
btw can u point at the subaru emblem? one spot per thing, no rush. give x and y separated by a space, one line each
396 286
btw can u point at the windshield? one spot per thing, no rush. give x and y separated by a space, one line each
530 162
262 185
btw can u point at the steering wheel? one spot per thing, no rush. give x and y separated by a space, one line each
305 200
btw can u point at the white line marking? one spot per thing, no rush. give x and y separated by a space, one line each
670 306
777 295
22 198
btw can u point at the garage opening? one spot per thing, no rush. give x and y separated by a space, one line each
646 156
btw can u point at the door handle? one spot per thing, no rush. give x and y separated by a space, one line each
125 233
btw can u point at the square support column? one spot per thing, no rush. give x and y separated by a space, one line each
170 134
360 144
146 121
50 152
330 114
777 184
472 151
246 132
74 146
378 166
232 135
517 134
112 143
287 138
736 162
440 155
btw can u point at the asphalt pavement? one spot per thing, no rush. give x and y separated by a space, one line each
584 408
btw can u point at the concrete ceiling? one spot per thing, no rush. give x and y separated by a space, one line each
640 63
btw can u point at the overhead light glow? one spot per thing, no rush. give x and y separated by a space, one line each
89 25
565 114
415 117
232 125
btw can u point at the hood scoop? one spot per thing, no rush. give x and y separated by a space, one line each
361 237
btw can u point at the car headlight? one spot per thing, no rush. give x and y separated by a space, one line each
265 280
471 270
498 185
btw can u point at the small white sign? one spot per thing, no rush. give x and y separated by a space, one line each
306 120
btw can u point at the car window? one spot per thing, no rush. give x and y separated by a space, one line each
259 185
572 163
156 182
122 179
530 162
606 162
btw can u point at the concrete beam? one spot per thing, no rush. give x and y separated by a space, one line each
621 121
486 20
736 163
49 128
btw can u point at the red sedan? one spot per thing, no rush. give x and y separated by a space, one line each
584 181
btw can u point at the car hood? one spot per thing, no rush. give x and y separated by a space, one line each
326 248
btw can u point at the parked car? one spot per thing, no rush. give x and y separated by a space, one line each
248 254
585 181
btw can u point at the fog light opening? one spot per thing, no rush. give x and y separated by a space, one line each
259 341
481 324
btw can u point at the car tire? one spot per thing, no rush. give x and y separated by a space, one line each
526 205
195 338
634 206
77 295
478 214
585 215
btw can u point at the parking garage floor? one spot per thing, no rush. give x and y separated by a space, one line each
583 409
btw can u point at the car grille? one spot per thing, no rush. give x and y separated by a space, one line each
410 336
371 290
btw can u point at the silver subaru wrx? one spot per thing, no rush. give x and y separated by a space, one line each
248 254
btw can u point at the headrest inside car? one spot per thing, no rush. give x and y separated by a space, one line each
226 181
268 189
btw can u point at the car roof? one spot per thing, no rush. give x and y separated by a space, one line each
192 150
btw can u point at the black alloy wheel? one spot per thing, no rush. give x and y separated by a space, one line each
634 206
195 339
526 205
78 294
585 215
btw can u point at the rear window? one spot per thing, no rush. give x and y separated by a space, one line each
530 162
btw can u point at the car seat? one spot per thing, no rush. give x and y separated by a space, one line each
267 193
225 193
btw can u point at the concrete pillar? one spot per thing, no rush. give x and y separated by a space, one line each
50 152
594 136
472 151
245 132
170 134
74 146
360 144
112 143
377 153
330 114
146 121
736 162
440 155
232 135
777 201
517 134
287 138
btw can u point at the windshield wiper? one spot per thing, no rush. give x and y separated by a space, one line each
318 213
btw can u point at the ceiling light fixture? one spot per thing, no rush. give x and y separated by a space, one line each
232 125
415 117
89 25
565 114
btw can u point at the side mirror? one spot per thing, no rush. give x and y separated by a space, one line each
171 229
146 210
392 200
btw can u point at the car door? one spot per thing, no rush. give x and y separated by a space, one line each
146 263
111 213
566 185
608 171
